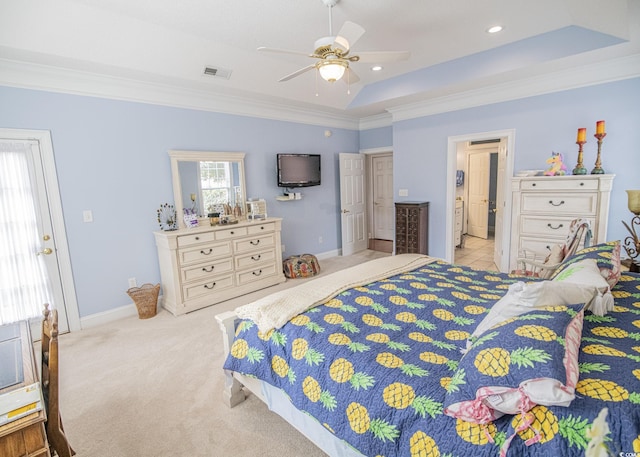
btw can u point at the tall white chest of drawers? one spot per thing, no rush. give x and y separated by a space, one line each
543 207
205 265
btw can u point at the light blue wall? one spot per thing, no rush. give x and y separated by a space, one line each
111 157
543 124
376 138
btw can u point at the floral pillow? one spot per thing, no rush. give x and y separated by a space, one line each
607 255
523 361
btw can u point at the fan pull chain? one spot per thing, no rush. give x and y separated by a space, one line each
348 82
317 71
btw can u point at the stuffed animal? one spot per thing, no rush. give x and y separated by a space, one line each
557 167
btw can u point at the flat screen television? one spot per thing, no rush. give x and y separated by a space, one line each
298 170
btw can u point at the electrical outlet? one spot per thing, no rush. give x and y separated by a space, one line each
403 192
320 240
283 248
132 282
87 215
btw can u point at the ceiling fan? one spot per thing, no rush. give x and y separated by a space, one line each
333 52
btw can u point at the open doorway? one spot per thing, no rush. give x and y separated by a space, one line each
380 201
479 168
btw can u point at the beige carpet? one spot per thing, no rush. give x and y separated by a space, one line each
154 388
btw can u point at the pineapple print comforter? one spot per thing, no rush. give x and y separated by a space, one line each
374 364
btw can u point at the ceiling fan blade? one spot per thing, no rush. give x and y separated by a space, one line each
383 56
351 77
283 51
348 35
296 73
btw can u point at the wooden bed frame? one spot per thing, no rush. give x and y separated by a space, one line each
234 393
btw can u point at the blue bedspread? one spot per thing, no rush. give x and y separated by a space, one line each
373 365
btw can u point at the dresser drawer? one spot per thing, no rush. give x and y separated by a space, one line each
209 287
261 228
556 184
254 243
204 252
206 270
581 204
255 258
196 238
231 233
547 226
255 274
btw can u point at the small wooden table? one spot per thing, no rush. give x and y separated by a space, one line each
26 436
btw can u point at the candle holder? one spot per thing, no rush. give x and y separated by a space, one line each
598 165
580 169
632 243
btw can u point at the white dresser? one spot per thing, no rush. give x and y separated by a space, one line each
543 207
458 222
206 265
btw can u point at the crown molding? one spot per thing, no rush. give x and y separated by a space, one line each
588 75
28 75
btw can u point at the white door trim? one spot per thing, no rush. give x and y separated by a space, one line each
452 141
57 217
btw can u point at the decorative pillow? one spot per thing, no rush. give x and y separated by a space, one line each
607 255
526 360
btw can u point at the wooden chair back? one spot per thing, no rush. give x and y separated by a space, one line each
50 384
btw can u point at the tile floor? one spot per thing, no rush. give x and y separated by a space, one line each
476 253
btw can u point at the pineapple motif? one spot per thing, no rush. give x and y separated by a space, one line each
536 332
312 390
375 321
636 444
338 319
334 303
300 349
475 309
435 298
602 389
451 384
543 420
495 361
614 332
398 300
599 349
360 423
466 297
302 320
384 339
389 360
475 433
411 318
340 339
363 300
445 315
240 349
341 370
400 396
282 369
456 335
422 445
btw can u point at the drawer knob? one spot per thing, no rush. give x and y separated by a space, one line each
254 242
207 286
197 238
206 253
533 184
256 257
208 271
555 228
233 233
556 204
582 184
262 228
257 273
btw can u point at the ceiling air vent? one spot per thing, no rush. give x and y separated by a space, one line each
217 72
479 142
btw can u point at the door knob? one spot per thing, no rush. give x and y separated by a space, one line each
344 211
45 251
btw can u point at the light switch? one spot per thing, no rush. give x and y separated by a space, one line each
403 192
87 216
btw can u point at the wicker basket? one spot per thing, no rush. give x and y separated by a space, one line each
146 299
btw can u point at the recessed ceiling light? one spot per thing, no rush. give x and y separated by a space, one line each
494 29
376 68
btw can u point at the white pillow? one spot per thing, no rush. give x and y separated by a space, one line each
578 283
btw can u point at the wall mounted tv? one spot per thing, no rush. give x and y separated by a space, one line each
298 170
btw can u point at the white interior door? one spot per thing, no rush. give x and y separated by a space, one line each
352 203
43 242
383 209
498 245
478 182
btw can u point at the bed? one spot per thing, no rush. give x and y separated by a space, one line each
370 371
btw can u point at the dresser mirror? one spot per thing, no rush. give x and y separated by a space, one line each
206 182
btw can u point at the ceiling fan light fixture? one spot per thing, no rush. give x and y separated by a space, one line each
495 29
376 68
332 70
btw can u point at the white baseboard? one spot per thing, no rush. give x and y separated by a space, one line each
328 254
105 317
